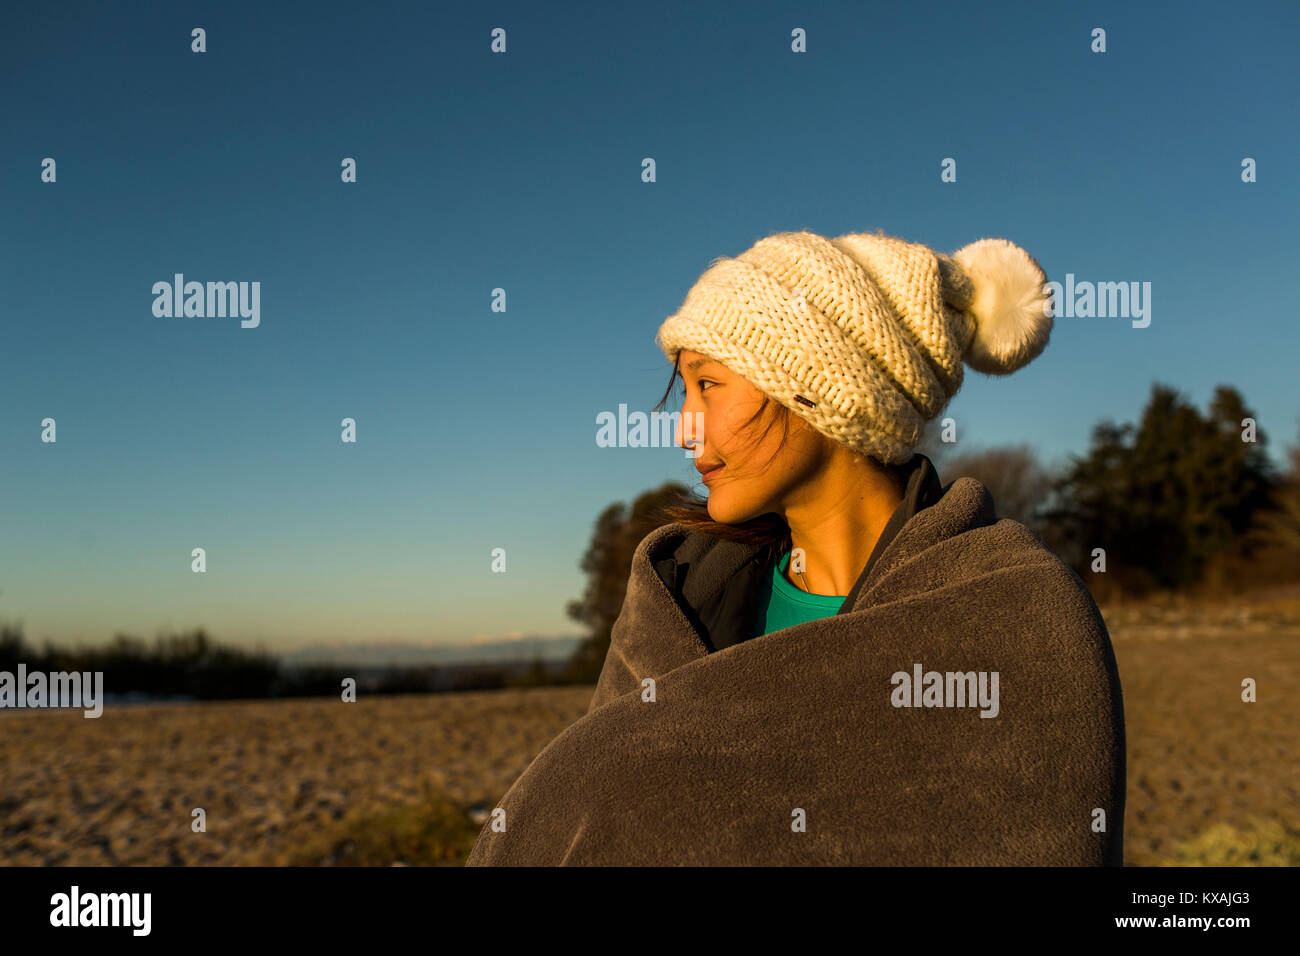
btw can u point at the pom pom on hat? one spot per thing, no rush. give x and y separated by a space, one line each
1009 305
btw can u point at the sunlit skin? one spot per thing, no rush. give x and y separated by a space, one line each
835 501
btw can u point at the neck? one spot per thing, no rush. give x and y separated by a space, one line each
836 520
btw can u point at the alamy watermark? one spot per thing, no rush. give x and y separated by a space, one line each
1085 300
57 689
642 430
924 688
181 299
75 908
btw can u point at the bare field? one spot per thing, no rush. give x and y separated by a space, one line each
120 789
1200 760
271 774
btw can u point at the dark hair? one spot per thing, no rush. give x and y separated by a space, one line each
768 532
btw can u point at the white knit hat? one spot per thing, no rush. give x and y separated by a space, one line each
864 335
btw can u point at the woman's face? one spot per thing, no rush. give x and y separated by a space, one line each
758 474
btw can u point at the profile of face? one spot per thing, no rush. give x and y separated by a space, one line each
760 468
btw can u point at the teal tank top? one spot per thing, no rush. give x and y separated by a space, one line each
784 605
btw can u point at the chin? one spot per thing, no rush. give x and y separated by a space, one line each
726 512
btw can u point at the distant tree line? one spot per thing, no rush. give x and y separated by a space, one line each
191 665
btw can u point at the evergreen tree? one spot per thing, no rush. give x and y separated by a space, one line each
1165 495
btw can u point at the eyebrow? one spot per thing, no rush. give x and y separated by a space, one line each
692 365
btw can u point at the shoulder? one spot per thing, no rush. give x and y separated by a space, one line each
657 545
676 540
999 559
1053 594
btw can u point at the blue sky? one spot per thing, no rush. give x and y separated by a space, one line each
476 429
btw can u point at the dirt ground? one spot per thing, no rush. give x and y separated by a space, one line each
1199 758
121 789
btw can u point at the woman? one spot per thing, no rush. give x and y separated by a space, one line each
836 659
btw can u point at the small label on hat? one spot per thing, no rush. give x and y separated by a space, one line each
800 398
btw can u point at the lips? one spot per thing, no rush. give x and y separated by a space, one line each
709 470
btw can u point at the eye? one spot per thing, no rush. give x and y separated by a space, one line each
705 381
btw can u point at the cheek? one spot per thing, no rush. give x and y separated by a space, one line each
725 425
734 423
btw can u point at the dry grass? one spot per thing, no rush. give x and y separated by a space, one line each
391 780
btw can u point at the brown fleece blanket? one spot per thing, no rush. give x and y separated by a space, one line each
792 748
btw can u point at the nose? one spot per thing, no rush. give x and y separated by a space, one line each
688 432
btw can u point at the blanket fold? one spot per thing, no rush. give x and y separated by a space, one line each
964 709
